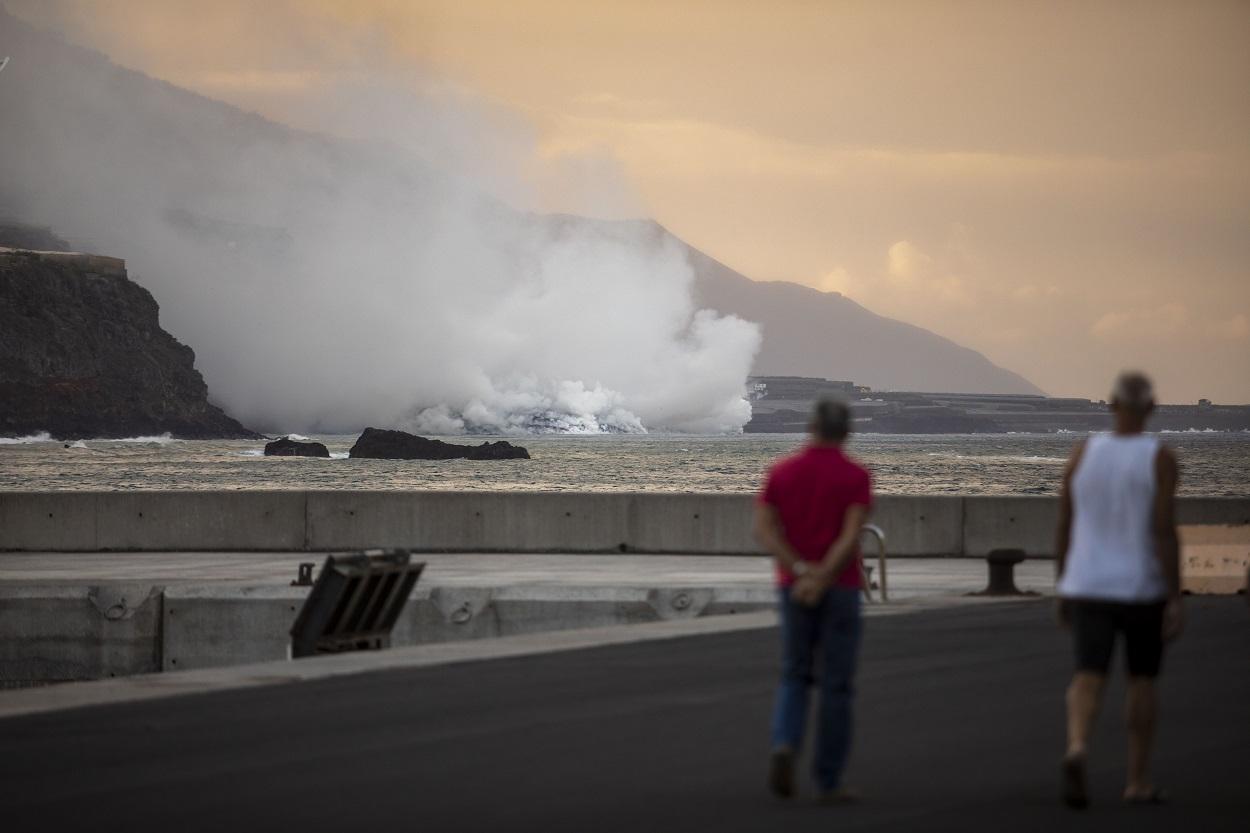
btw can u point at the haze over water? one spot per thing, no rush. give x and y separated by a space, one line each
964 464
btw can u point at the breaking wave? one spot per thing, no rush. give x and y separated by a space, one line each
1192 431
161 439
41 437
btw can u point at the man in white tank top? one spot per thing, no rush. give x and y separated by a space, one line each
1118 573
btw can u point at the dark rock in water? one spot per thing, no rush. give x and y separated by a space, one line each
287 447
498 450
82 355
379 444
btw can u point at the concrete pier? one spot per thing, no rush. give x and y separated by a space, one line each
100 584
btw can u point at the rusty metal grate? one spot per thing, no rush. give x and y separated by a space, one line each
354 603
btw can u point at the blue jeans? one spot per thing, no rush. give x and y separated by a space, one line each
831 629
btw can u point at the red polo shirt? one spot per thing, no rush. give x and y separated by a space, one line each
811 491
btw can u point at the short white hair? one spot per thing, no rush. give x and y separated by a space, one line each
1133 390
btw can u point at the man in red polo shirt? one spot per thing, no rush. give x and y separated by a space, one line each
808 517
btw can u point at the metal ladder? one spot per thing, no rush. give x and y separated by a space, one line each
876 532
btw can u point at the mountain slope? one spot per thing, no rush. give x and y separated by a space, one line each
812 333
807 332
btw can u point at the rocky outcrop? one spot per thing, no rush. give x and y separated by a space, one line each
287 447
82 354
380 444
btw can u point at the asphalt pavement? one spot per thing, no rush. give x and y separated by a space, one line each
959 727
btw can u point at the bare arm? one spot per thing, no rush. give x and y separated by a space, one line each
1063 534
843 548
1167 541
771 537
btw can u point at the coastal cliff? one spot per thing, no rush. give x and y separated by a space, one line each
82 354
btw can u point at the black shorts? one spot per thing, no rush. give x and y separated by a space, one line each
1094 628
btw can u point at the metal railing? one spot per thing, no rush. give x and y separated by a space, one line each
876 532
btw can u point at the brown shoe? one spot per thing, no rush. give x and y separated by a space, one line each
781 772
1074 792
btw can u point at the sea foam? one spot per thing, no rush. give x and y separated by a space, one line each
41 437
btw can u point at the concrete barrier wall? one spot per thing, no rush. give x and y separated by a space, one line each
55 633
93 521
59 633
508 521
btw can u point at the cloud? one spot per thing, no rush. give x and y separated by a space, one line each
840 281
1142 323
907 261
912 281
1033 292
690 148
1236 328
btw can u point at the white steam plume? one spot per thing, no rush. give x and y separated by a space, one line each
328 284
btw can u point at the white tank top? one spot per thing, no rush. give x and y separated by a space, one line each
1111 552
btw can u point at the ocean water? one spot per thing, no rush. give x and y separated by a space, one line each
973 464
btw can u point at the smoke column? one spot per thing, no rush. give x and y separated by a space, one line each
327 284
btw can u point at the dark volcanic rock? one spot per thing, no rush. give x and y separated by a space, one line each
287 447
378 444
82 354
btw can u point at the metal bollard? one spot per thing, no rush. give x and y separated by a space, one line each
304 578
1002 581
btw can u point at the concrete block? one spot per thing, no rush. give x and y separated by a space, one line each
1026 523
553 521
524 610
360 520
1215 559
48 521
919 525
680 602
690 523
56 633
214 625
446 614
731 600
261 521
466 521
1225 511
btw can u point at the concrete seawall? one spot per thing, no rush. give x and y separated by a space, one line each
517 522
56 633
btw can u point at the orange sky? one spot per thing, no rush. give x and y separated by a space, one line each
1064 187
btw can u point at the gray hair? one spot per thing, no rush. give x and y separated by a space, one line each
1133 391
831 420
